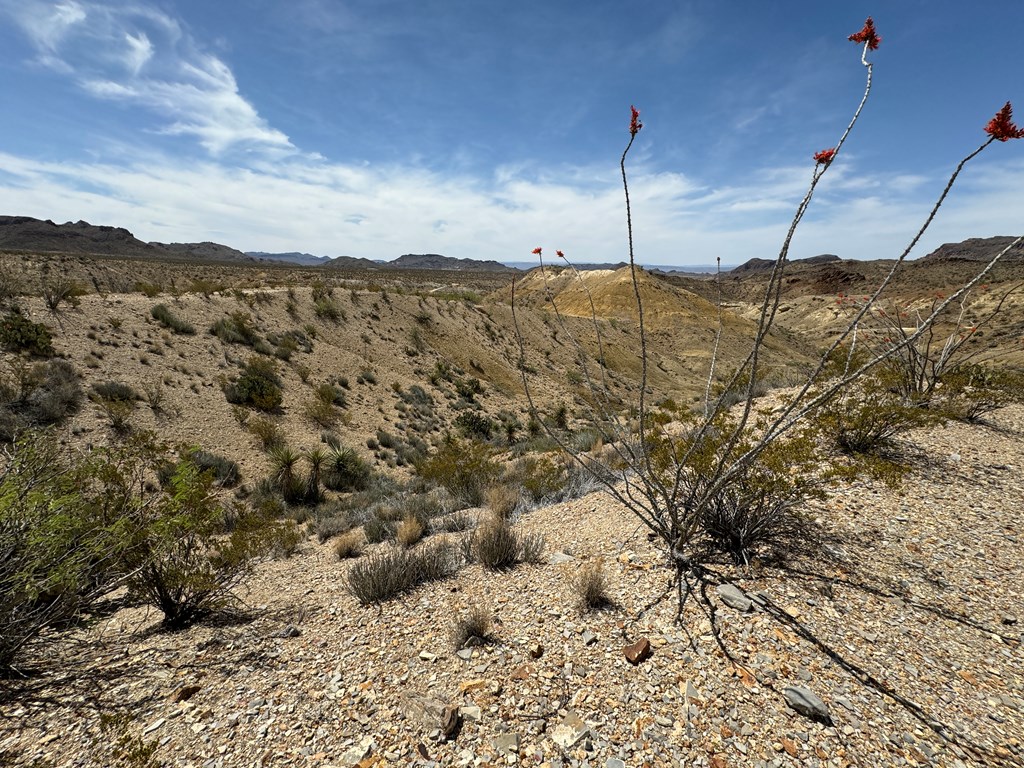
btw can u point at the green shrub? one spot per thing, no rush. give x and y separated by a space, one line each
259 386
269 433
542 478
236 328
163 315
149 290
56 551
394 571
74 528
225 472
114 391
321 412
474 425
972 390
187 568
37 395
869 416
346 470
465 469
19 334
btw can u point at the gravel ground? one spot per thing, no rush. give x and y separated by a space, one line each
906 626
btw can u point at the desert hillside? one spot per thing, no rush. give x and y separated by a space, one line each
887 634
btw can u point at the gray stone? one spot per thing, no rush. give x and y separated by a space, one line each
589 638
842 700
614 762
471 712
466 654
560 558
570 730
506 743
289 631
359 752
807 703
733 597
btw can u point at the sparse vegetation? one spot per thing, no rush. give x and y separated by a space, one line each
464 468
472 627
19 334
497 545
166 317
259 386
590 585
394 571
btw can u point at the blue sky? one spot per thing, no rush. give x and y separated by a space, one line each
482 129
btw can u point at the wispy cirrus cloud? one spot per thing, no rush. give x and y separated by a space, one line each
136 54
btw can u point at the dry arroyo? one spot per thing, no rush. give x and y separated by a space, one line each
898 644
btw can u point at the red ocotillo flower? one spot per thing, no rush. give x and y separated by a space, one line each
868 35
1001 126
536 251
634 121
824 157
559 254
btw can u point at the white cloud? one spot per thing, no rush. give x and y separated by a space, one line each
382 212
133 53
140 50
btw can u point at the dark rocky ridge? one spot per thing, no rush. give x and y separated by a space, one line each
756 263
976 249
23 233
437 262
291 257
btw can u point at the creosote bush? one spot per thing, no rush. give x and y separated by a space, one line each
259 385
464 468
19 334
74 528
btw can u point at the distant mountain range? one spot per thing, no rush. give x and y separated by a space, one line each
292 257
23 233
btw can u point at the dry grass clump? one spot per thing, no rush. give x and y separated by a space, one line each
350 544
497 545
410 531
590 585
395 570
502 499
472 628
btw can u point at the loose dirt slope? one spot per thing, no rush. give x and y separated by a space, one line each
907 626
